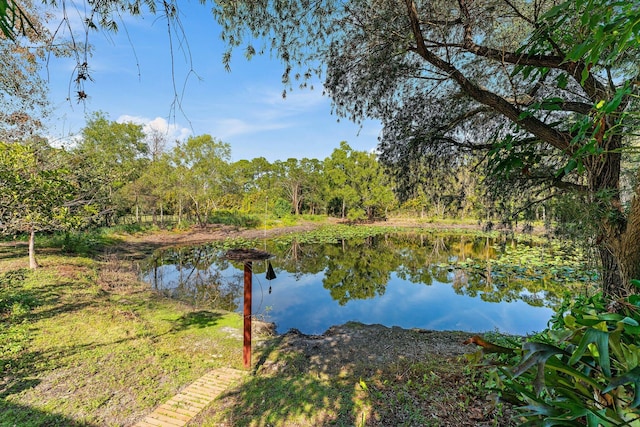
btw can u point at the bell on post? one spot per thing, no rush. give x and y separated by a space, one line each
270 273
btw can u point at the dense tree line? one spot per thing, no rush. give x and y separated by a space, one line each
117 170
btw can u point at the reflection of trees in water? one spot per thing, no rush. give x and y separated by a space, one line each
361 269
202 257
297 258
358 271
439 248
507 289
199 281
205 289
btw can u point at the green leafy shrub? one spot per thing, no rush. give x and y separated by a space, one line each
315 218
133 228
78 242
282 208
238 219
288 221
356 214
583 370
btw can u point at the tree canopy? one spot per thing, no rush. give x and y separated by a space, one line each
545 90
23 93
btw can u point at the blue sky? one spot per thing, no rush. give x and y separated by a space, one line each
244 107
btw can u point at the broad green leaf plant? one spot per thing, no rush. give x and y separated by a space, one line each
583 370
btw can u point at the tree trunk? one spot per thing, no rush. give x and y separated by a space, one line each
33 264
620 254
295 199
630 242
612 282
618 232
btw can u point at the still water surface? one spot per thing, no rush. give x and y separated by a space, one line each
448 282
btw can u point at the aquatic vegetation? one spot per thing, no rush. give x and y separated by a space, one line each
335 234
554 261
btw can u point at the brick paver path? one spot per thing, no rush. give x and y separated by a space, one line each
181 408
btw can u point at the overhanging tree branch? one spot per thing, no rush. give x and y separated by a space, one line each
559 140
594 89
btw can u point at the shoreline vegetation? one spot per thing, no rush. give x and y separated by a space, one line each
84 343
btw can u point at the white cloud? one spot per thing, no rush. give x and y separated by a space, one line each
262 110
173 131
66 141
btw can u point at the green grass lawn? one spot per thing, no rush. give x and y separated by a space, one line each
74 354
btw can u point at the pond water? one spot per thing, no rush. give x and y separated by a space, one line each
446 282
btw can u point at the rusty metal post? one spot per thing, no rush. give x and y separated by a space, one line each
246 350
247 256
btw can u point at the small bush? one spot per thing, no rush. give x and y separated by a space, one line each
315 218
356 215
134 228
288 220
78 242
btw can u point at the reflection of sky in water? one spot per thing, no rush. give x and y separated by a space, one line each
306 305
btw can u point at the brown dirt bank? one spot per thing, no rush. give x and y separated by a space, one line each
412 377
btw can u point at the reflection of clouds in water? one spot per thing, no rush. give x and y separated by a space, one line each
301 301
286 291
292 301
515 318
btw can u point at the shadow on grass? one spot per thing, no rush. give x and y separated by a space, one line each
25 416
19 367
13 250
290 387
291 400
17 386
198 319
38 303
